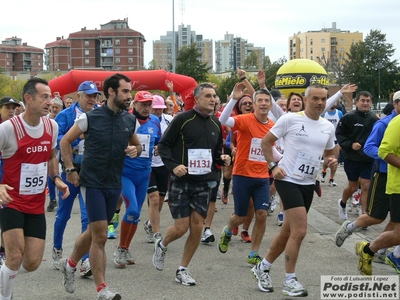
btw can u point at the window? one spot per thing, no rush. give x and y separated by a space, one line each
117 42
311 42
130 51
8 63
117 50
87 61
311 57
311 50
130 42
130 60
86 43
7 55
323 49
352 42
322 40
87 52
39 64
117 60
342 41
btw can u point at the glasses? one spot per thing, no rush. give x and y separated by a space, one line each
247 103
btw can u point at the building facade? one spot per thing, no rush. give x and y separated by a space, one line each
114 47
20 57
58 55
324 44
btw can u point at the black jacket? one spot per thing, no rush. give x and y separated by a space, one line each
355 126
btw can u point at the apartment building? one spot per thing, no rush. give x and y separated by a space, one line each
20 57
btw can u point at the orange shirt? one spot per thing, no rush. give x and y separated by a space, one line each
248 127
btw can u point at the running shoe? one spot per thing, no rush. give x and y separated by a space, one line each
157 236
279 219
236 230
149 232
85 270
380 258
224 240
207 237
225 197
219 194
273 204
293 288
159 256
332 182
342 211
393 261
323 176
364 259
342 233
111 232
120 257
129 258
107 294
263 278
246 238
115 220
254 260
68 276
183 276
52 205
57 255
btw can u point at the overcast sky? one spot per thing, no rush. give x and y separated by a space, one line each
264 23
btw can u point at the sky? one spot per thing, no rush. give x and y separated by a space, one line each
261 22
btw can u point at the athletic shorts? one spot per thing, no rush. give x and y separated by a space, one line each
378 204
228 151
32 225
395 208
355 170
185 195
100 203
245 187
159 178
294 195
214 190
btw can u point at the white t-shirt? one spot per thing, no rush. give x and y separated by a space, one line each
8 140
306 139
156 160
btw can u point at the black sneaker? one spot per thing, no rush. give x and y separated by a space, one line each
323 177
52 205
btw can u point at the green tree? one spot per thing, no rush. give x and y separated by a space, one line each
271 70
334 64
251 61
5 82
151 65
369 64
188 63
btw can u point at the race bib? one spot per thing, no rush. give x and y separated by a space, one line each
255 152
145 141
33 178
200 161
306 166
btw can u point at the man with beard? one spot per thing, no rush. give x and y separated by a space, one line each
110 135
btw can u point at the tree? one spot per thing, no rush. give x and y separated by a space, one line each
270 72
334 63
188 63
369 65
251 61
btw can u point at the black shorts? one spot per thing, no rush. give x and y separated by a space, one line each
355 170
378 201
32 225
185 195
294 195
395 208
159 178
214 191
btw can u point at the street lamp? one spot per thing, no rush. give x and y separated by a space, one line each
379 66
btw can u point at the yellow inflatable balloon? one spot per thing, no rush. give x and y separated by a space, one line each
297 74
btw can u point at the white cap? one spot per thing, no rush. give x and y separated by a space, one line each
396 96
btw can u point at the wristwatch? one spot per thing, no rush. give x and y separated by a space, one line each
70 170
56 176
272 165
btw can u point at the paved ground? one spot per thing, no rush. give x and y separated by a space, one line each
218 276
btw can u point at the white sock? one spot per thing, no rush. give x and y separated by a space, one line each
351 226
182 268
7 278
22 270
265 265
290 276
162 246
396 252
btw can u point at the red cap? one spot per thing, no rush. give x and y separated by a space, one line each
143 96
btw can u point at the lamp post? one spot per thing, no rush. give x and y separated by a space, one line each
173 38
379 66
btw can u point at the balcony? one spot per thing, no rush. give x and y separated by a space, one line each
107 63
107 45
106 55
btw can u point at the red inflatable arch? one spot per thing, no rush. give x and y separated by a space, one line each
141 80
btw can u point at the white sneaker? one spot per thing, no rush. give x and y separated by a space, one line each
120 257
129 258
85 270
106 294
263 278
279 219
68 276
293 288
149 232
273 204
207 237
159 256
183 276
57 255
342 233
342 211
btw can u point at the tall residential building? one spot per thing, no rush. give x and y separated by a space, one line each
18 56
58 55
231 53
184 37
327 43
114 47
